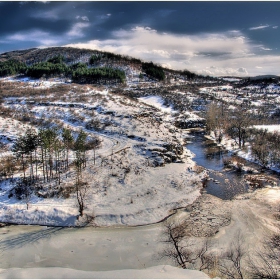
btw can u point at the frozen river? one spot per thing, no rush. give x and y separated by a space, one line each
81 248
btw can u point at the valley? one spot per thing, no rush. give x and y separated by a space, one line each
138 170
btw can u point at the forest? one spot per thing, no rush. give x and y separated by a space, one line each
56 67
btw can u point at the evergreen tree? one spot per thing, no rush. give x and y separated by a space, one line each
80 148
68 141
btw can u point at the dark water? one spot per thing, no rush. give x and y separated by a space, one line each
223 184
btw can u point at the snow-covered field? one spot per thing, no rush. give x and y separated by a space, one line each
157 102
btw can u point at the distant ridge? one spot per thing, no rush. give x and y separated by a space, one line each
261 77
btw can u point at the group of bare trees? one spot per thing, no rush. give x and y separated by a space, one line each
222 121
233 263
216 120
238 124
265 147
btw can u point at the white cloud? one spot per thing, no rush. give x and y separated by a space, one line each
104 17
275 27
142 29
219 71
265 49
84 18
259 27
166 65
39 36
231 53
77 29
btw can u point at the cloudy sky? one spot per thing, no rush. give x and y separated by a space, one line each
212 38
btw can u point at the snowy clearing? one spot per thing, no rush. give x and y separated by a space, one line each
269 128
157 102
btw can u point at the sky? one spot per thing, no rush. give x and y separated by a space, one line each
217 38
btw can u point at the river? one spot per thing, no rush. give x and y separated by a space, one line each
81 248
224 184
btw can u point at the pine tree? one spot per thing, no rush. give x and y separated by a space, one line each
80 147
68 141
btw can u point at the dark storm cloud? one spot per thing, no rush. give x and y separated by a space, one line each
175 33
105 17
17 17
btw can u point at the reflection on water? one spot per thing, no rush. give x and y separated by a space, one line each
223 184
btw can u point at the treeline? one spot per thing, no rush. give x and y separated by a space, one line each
55 67
98 75
106 56
58 65
153 70
47 69
12 67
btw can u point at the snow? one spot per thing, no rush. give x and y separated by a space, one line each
157 102
231 79
39 214
269 128
271 195
215 89
143 195
35 83
157 272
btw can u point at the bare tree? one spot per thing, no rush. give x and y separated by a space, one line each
81 192
261 149
206 259
7 166
216 120
240 120
265 263
182 251
174 234
230 262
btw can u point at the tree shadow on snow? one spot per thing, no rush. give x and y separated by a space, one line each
26 238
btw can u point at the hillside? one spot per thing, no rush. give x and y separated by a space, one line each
87 59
